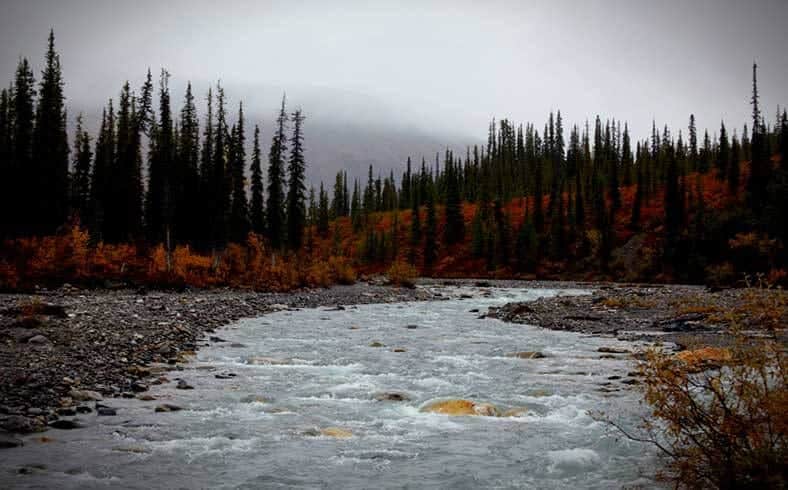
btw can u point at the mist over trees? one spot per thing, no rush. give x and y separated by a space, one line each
559 200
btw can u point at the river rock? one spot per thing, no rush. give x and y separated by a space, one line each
613 350
376 344
106 411
183 385
38 340
392 396
85 395
139 387
461 407
66 424
167 407
528 354
336 432
398 349
146 398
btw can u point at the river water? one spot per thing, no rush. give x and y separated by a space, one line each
299 372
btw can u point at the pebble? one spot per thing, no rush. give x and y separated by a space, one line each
183 385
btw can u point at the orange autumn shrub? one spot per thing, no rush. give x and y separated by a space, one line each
717 415
402 273
341 270
319 275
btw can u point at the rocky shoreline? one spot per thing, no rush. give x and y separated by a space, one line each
62 351
687 316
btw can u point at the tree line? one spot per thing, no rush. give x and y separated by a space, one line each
189 185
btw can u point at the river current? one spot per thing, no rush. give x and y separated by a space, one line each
288 376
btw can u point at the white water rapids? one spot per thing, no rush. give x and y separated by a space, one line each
298 372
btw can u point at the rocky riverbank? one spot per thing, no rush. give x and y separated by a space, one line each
62 351
684 315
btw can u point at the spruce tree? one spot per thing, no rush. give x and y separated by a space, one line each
239 210
296 194
257 211
760 166
734 170
24 194
186 178
723 153
80 181
50 148
101 181
455 222
159 200
322 213
220 184
275 205
6 164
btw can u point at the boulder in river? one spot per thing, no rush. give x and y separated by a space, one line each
392 396
336 432
527 354
461 407
168 407
183 385
376 344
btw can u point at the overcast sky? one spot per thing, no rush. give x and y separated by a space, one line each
443 66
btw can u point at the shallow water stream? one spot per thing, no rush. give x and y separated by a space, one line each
298 372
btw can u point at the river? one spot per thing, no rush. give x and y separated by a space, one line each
288 376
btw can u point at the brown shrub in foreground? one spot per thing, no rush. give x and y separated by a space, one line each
718 415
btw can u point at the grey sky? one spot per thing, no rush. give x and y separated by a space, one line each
445 67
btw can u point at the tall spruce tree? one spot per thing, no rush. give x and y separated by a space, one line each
257 211
50 149
159 203
186 178
760 166
239 209
296 193
275 206
220 183
24 193
6 164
